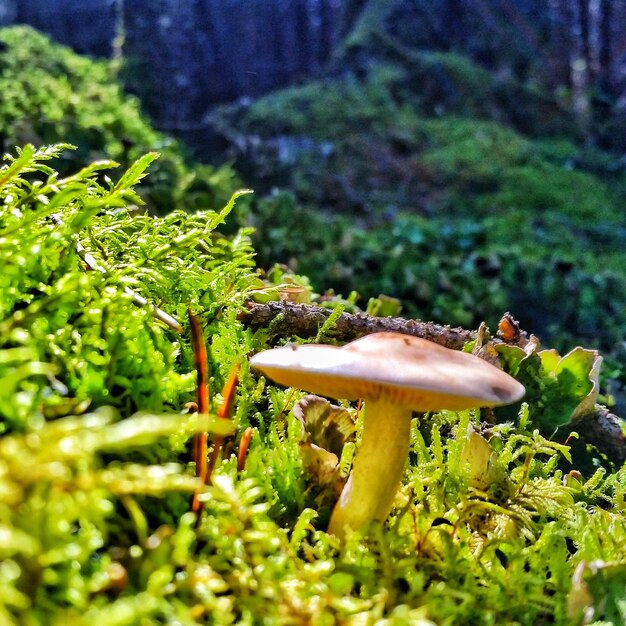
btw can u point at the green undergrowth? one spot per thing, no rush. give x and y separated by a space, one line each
461 271
351 146
51 94
95 451
458 217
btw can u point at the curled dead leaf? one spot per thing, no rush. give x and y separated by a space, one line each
326 425
327 428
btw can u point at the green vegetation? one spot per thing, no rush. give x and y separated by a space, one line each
51 94
95 466
493 523
460 219
65 314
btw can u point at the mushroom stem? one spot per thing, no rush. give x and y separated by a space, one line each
368 495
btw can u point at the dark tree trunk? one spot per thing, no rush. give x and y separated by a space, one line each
604 92
585 42
87 26
302 33
560 44
327 27
185 57
605 56
453 21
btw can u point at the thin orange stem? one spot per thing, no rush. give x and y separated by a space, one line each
243 448
228 392
200 443
225 410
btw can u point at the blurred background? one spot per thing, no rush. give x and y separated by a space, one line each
467 157
182 58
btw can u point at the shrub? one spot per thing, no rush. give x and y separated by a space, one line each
51 94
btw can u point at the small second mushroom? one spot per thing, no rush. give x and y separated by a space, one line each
395 374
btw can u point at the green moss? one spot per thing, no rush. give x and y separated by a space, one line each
311 109
51 94
460 218
94 511
487 168
69 317
575 195
460 164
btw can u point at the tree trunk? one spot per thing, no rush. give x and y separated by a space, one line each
604 92
585 43
605 55
561 44
8 12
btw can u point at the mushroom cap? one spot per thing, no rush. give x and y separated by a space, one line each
401 369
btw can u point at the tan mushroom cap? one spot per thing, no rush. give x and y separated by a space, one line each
402 369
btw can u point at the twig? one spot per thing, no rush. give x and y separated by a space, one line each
91 262
243 448
285 319
602 429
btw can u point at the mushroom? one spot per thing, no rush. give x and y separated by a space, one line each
395 374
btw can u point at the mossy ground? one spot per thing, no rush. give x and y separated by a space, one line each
52 95
96 475
460 218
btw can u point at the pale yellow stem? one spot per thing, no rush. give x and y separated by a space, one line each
377 470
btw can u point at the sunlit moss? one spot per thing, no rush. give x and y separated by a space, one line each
51 94
95 472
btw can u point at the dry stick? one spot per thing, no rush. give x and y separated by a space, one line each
93 265
200 442
285 319
603 429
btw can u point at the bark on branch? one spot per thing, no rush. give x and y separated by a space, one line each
286 319
603 430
